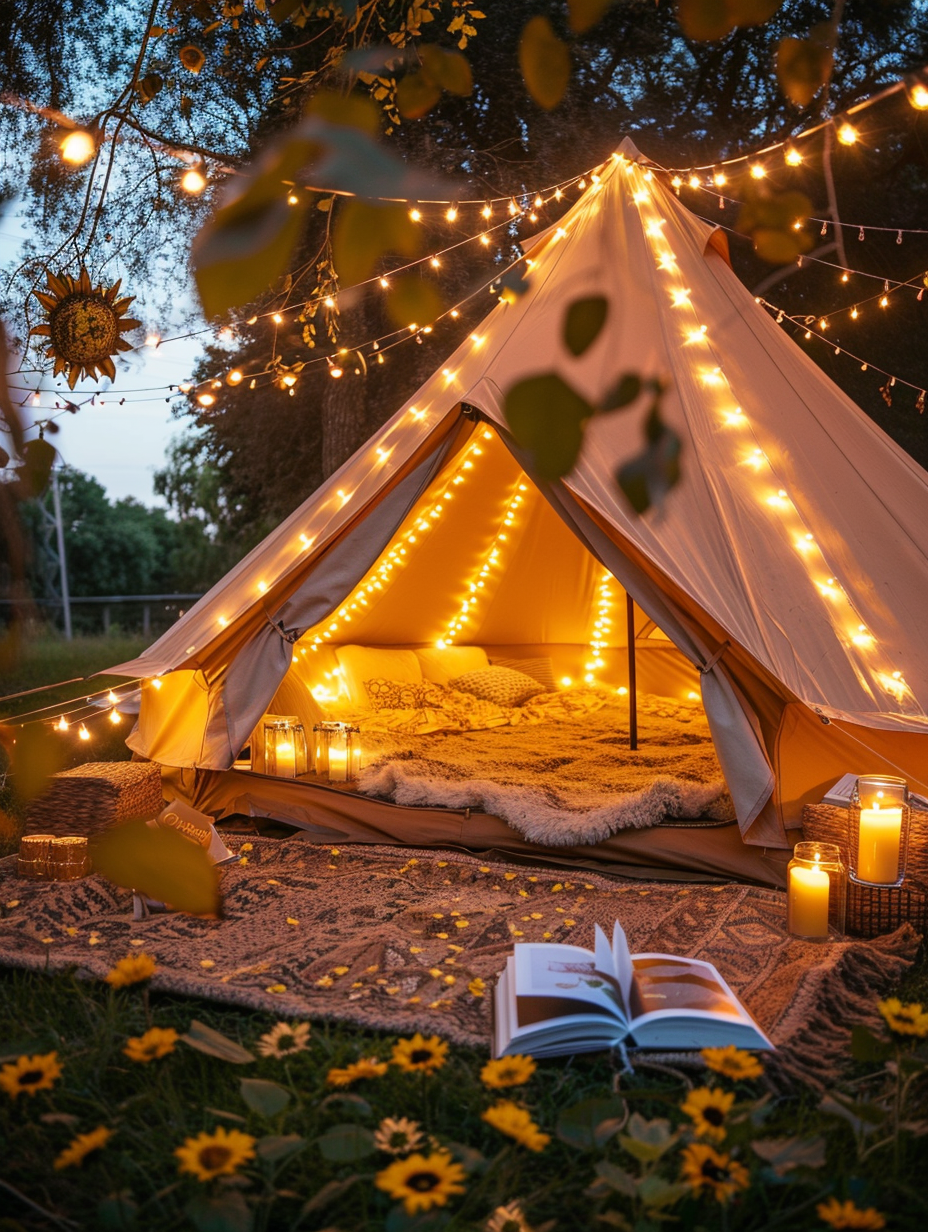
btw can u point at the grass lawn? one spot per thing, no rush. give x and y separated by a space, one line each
577 1143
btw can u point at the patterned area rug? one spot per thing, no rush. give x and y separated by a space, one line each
404 940
562 782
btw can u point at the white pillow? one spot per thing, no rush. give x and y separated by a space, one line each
360 663
441 664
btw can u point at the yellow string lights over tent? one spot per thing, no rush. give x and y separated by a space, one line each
772 491
476 585
102 704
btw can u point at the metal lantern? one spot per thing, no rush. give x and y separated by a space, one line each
878 816
285 752
338 751
816 891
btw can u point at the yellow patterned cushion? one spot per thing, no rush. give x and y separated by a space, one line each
402 694
500 685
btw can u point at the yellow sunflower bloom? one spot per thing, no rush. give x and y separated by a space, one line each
910 1019
81 1146
398 1136
367 1067
220 1153
132 969
30 1074
846 1215
508 1218
420 1054
507 1071
157 1042
707 1109
732 1062
516 1123
704 1168
284 1039
422 1181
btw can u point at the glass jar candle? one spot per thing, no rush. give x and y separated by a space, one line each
338 751
285 752
816 891
878 824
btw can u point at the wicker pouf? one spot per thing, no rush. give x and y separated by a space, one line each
96 795
872 911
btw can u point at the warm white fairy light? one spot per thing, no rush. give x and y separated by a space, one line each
602 627
62 725
83 732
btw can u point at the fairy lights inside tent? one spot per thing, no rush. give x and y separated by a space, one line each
854 633
602 627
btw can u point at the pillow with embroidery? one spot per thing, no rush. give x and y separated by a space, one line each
402 694
500 685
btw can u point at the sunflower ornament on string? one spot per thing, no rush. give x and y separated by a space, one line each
84 325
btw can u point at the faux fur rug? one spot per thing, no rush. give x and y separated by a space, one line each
405 940
573 781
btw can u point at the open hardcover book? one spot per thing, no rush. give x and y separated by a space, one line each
556 999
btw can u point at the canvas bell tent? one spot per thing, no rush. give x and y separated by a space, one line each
783 581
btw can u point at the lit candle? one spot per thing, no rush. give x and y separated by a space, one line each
286 759
807 901
878 844
338 764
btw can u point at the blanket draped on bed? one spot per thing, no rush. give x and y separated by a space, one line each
559 771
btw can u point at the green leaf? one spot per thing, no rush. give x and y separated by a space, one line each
865 1046
863 1118
36 470
280 10
346 1144
364 232
470 1159
583 321
348 1100
547 419
648 477
770 218
617 1178
160 863
623 393
416 95
656 1192
150 85
215 1044
583 14
591 1123
784 1154
704 21
513 285
545 63
275 1147
412 301
647 1140
328 1193
803 67
117 1213
353 110
448 69
426 1221
265 1098
33 758
226 1212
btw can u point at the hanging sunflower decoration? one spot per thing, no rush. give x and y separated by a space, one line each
84 325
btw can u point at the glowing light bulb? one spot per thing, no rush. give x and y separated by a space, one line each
62 725
793 157
329 301
694 181
487 212
918 97
277 318
293 199
485 240
335 372
193 181
78 147
719 179
415 215
434 262
538 203
758 171
152 340
884 301
83 732
854 313
681 297
677 182
115 717
206 399
847 133
235 377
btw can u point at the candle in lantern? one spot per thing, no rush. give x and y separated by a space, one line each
807 901
878 844
286 759
338 764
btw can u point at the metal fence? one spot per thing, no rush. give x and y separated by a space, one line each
99 613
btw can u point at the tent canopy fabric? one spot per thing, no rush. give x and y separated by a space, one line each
786 566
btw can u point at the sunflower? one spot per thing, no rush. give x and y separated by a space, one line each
284 1040
902 1019
157 1042
367 1067
517 1123
422 1181
30 1074
732 1062
704 1168
508 1218
83 325
708 1110
419 1053
217 1154
846 1215
507 1071
82 1145
132 969
398 1136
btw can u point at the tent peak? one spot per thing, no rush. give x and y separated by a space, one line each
629 150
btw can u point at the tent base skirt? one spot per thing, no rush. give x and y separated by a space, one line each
678 851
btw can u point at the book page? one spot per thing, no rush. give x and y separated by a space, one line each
682 985
622 963
560 980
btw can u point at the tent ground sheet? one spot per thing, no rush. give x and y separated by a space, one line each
563 781
402 939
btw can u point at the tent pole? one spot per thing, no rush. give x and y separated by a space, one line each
632 675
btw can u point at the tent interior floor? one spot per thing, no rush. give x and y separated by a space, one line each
678 850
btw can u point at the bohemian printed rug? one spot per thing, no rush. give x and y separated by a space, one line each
402 940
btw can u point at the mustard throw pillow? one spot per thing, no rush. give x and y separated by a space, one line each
500 685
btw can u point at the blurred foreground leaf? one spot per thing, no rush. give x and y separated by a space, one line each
227 1211
583 321
547 419
365 232
413 301
804 65
648 477
784 1154
265 1098
591 1123
34 756
215 1044
545 63
345 1144
707 20
160 863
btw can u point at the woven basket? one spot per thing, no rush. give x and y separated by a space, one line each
95 796
872 911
